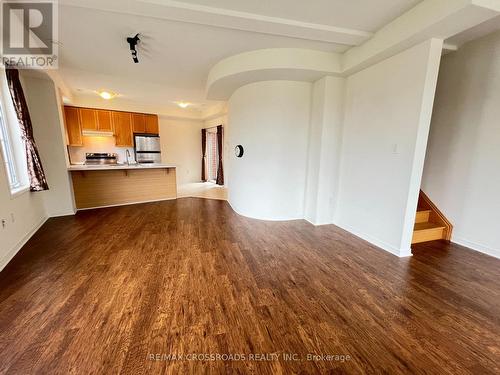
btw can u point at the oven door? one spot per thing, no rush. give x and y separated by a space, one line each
148 157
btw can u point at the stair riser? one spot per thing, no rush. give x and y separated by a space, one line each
422 217
428 235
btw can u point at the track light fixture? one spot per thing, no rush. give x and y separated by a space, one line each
133 42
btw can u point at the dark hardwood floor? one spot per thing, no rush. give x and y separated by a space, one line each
104 291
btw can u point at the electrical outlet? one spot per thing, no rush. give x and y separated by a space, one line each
12 217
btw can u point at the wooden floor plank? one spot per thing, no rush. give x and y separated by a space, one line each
104 290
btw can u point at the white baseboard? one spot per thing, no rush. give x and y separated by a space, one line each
59 214
317 224
401 253
265 218
476 247
12 252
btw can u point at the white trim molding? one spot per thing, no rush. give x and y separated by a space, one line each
15 249
399 252
476 246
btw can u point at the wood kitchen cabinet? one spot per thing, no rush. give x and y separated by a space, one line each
88 118
139 122
152 124
122 122
73 126
104 120
96 119
145 123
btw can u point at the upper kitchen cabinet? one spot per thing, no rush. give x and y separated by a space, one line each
73 126
144 123
122 122
152 124
139 122
88 119
96 119
104 120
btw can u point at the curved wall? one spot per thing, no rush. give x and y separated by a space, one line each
272 64
271 121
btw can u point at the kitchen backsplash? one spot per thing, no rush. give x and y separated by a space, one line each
98 144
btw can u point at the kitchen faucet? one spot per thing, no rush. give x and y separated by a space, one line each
127 154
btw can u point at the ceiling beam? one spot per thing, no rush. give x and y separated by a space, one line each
226 18
431 19
58 80
439 19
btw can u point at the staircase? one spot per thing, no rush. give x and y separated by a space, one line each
430 223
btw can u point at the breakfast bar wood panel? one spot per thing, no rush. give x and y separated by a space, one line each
98 188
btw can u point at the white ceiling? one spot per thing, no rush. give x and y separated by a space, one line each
175 57
365 15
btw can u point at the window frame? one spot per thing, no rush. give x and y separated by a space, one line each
212 155
12 145
8 154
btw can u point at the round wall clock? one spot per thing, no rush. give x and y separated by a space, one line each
238 151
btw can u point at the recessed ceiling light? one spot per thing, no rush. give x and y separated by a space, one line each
106 94
183 104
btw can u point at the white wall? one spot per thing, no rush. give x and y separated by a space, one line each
44 107
462 166
325 139
271 120
181 146
24 213
387 117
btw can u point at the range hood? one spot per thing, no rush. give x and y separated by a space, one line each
97 133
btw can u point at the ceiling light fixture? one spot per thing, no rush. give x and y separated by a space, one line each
106 94
183 104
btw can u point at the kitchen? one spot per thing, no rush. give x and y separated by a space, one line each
115 158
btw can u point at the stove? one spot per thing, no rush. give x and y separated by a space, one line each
98 158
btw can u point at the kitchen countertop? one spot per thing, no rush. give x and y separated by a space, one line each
112 167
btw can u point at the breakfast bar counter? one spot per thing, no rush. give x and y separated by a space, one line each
120 184
100 167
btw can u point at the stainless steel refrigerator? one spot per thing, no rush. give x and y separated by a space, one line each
147 148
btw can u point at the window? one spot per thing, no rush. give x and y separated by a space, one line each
8 155
212 157
13 154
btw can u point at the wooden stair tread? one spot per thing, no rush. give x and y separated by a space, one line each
427 225
427 231
430 224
